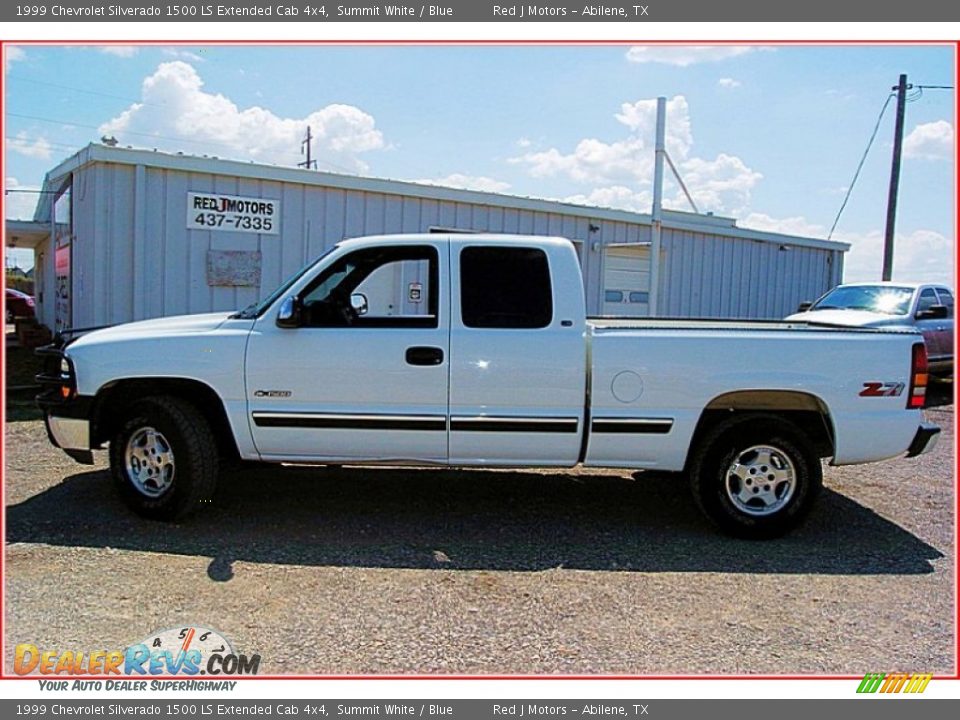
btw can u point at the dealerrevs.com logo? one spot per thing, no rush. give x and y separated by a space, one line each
191 651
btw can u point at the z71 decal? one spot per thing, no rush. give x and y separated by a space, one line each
881 389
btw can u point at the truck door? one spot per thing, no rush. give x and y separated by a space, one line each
945 327
364 375
517 355
932 329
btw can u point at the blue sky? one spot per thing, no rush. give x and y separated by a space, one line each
770 136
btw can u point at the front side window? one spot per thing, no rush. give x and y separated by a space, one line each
928 298
505 287
376 287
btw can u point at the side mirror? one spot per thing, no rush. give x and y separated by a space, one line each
358 301
290 313
804 306
934 312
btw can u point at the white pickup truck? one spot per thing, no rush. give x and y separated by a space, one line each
474 350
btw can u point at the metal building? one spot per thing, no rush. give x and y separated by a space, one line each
122 234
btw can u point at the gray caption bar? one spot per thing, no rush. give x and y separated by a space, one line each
370 709
633 11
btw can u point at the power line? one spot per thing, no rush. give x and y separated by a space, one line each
125 132
863 159
84 91
153 136
14 139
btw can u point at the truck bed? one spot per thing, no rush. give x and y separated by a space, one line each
613 322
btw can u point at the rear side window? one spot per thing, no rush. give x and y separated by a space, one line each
505 287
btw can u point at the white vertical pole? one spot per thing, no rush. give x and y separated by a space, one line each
657 215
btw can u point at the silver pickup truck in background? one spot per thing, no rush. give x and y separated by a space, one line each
927 308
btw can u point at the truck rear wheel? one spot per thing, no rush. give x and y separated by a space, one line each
164 459
755 476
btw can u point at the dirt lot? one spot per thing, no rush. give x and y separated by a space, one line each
398 571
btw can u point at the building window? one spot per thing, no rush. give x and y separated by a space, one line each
505 287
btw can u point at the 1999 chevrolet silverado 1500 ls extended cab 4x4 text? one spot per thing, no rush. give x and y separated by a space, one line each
474 350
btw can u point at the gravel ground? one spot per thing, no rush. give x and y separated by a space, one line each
382 571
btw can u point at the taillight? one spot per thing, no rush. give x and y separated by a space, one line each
918 377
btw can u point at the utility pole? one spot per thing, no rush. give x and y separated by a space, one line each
307 142
901 89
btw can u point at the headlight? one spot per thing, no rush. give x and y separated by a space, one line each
64 367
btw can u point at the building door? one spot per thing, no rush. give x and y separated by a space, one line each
63 303
626 280
39 272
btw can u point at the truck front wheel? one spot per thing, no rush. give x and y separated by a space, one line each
163 458
755 476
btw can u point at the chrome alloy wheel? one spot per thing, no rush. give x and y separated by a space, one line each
149 462
760 480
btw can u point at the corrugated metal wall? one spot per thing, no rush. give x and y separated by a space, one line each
134 257
713 276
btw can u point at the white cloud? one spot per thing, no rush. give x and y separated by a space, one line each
685 55
624 161
177 111
524 142
123 51
12 54
919 255
796 225
183 54
616 196
930 141
19 205
724 183
721 184
592 161
469 182
728 83
641 118
22 145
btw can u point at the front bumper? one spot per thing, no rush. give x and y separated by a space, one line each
72 435
69 433
925 440
66 414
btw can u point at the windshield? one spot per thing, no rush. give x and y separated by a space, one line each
884 299
255 310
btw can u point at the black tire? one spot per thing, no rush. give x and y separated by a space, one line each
180 482
777 501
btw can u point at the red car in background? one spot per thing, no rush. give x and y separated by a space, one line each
18 305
